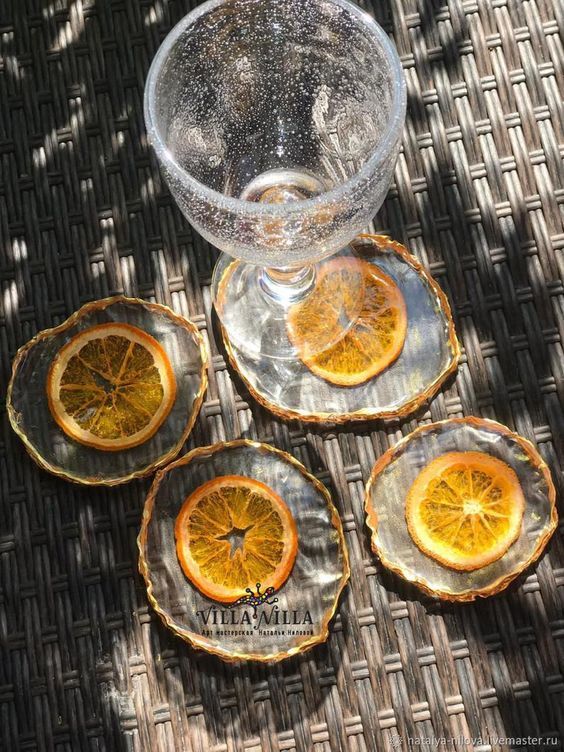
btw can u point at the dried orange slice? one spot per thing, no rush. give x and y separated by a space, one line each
111 387
374 340
232 533
465 509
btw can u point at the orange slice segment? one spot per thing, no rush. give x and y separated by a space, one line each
232 533
111 387
374 340
465 509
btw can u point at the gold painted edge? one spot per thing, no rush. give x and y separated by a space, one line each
68 324
195 640
364 414
504 580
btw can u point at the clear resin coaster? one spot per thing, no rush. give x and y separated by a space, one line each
52 448
429 355
262 627
394 474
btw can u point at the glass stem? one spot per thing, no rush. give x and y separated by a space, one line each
287 284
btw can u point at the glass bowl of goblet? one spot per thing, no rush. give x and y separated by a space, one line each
277 125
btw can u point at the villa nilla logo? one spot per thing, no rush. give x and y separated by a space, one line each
256 599
262 616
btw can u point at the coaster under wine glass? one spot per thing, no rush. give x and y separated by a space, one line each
429 355
262 627
57 452
394 474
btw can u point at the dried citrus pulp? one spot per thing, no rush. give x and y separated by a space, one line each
111 386
465 509
374 340
232 533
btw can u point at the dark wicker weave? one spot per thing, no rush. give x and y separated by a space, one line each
86 664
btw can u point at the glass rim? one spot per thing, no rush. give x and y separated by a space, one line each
392 130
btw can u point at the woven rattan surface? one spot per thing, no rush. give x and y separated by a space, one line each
86 664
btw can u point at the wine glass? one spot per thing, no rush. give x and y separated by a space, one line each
277 125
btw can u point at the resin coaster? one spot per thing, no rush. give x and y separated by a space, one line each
290 620
397 469
52 448
430 354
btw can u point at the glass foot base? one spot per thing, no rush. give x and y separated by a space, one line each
430 354
256 304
